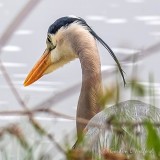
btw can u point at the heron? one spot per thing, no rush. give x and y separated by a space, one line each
69 38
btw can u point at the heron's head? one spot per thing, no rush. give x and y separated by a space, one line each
58 48
60 41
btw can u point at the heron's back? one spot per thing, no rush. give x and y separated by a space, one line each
100 135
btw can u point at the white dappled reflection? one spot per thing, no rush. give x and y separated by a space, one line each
135 1
106 20
49 83
20 75
52 118
11 48
148 84
23 32
38 89
40 83
95 18
107 67
155 33
131 64
12 64
116 21
155 22
147 18
125 50
8 118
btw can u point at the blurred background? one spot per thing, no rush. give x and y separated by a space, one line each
130 27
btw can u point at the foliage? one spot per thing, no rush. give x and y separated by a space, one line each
125 142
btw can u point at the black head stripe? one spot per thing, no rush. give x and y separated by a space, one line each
63 22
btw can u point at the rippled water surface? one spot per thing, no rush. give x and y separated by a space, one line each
127 26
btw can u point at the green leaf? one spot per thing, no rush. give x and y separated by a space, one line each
108 96
137 88
153 139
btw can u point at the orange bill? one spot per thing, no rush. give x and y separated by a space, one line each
39 68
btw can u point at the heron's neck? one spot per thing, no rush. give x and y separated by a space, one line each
91 88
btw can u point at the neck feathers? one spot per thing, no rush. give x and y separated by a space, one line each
84 45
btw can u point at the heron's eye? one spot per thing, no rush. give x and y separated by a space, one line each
48 39
50 45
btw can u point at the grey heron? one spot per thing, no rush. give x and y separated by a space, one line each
69 38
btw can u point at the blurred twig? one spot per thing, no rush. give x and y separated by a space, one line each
42 131
48 111
6 37
144 53
3 41
17 21
11 85
81 120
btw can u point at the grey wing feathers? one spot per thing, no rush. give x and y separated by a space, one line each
100 137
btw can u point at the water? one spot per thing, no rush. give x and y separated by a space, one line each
127 26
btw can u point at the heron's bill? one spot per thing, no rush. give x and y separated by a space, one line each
39 68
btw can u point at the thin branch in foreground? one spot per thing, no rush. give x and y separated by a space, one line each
53 113
11 85
42 131
16 131
6 37
22 15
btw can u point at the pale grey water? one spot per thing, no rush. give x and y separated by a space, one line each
126 25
